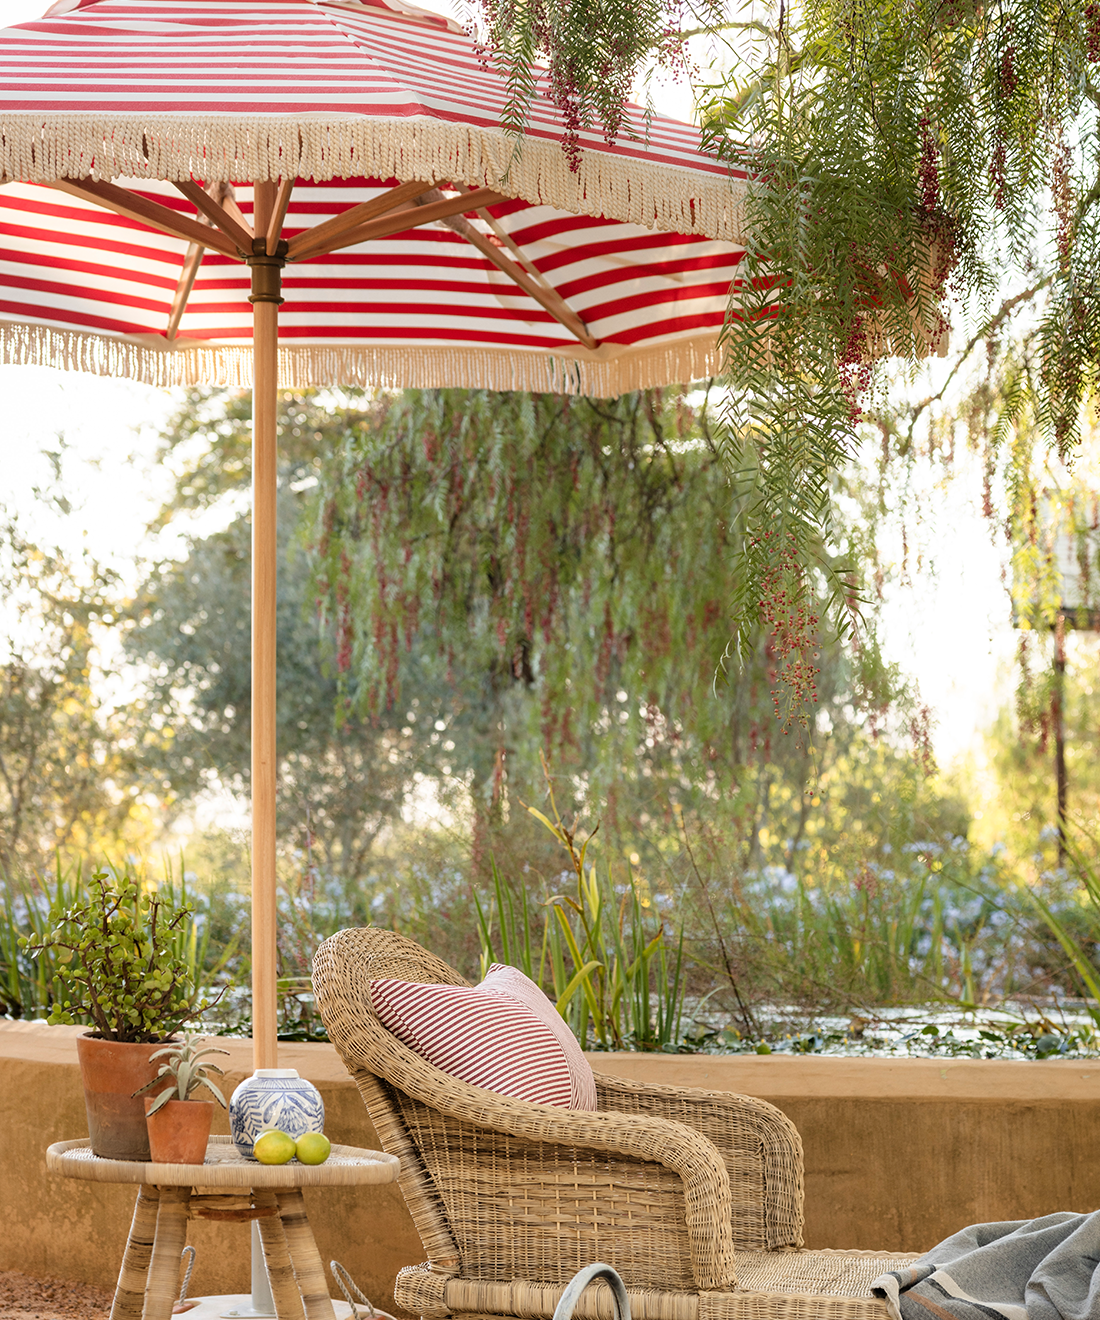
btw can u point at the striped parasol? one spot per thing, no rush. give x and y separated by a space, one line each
174 169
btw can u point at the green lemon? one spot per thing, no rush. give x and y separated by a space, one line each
273 1147
313 1148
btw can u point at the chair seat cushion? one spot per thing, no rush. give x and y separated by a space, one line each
483 1035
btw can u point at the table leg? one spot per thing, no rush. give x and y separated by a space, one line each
305 1256
130 1292
164 1268
280 1271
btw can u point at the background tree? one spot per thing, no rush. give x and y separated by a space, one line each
1044 514
499 576
472 581
563 566
68 775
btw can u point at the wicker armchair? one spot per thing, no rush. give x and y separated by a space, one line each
695 1197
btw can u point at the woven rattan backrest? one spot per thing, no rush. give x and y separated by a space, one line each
383 1068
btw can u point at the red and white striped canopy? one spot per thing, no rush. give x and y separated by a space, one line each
641 243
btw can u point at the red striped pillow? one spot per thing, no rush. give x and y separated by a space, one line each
483 1037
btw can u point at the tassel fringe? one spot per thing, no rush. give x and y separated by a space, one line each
676 363
676 199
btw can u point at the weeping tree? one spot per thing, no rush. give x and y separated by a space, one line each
342 779
902 155
471 581
984 426
561 568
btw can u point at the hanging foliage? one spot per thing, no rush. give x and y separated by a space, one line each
902 154
565 565
595 52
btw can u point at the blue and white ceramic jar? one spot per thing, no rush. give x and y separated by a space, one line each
274 1098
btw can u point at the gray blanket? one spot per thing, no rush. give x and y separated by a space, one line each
1035 1269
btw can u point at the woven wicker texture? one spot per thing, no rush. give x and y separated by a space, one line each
837 1281
224 1167
695 1197
760 1146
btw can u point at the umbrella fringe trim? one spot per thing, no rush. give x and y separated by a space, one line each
675 363
632 189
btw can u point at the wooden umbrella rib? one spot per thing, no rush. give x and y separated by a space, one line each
191 264
321 236
409 218
547 297
145 211
511 244
226 215
274 228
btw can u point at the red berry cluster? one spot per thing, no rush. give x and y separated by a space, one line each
1061 187
787 611
854 366
345 628
1092 33
928 172
1009 79
920 733
939 225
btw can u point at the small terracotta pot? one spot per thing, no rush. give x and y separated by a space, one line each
112 1071
179 1130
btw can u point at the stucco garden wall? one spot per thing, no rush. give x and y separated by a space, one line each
899 1153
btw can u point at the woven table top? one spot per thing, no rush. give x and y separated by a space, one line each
225 1167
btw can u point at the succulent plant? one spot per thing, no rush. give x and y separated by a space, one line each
187 1073
120 963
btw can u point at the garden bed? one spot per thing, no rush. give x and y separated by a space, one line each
1027 1029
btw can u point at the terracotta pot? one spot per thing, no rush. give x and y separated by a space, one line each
179 1130
112 1071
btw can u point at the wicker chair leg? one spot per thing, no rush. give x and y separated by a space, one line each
308 1266
130 1292
580 1281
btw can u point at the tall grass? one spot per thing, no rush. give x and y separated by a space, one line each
637 958
939 924
600 949
1079 946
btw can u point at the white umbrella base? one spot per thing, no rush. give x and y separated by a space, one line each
235 1305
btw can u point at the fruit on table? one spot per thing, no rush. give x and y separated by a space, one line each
313 1148
273 1147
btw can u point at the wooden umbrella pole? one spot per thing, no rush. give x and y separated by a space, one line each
265 299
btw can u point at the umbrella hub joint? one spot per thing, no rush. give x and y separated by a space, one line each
267 271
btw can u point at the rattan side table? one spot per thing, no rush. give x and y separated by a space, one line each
225 1187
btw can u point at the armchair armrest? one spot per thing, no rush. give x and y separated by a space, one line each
493 1142
525 1188
759 1144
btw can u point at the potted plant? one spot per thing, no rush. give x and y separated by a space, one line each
179 1127
121 970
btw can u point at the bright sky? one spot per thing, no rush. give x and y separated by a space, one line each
949 629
